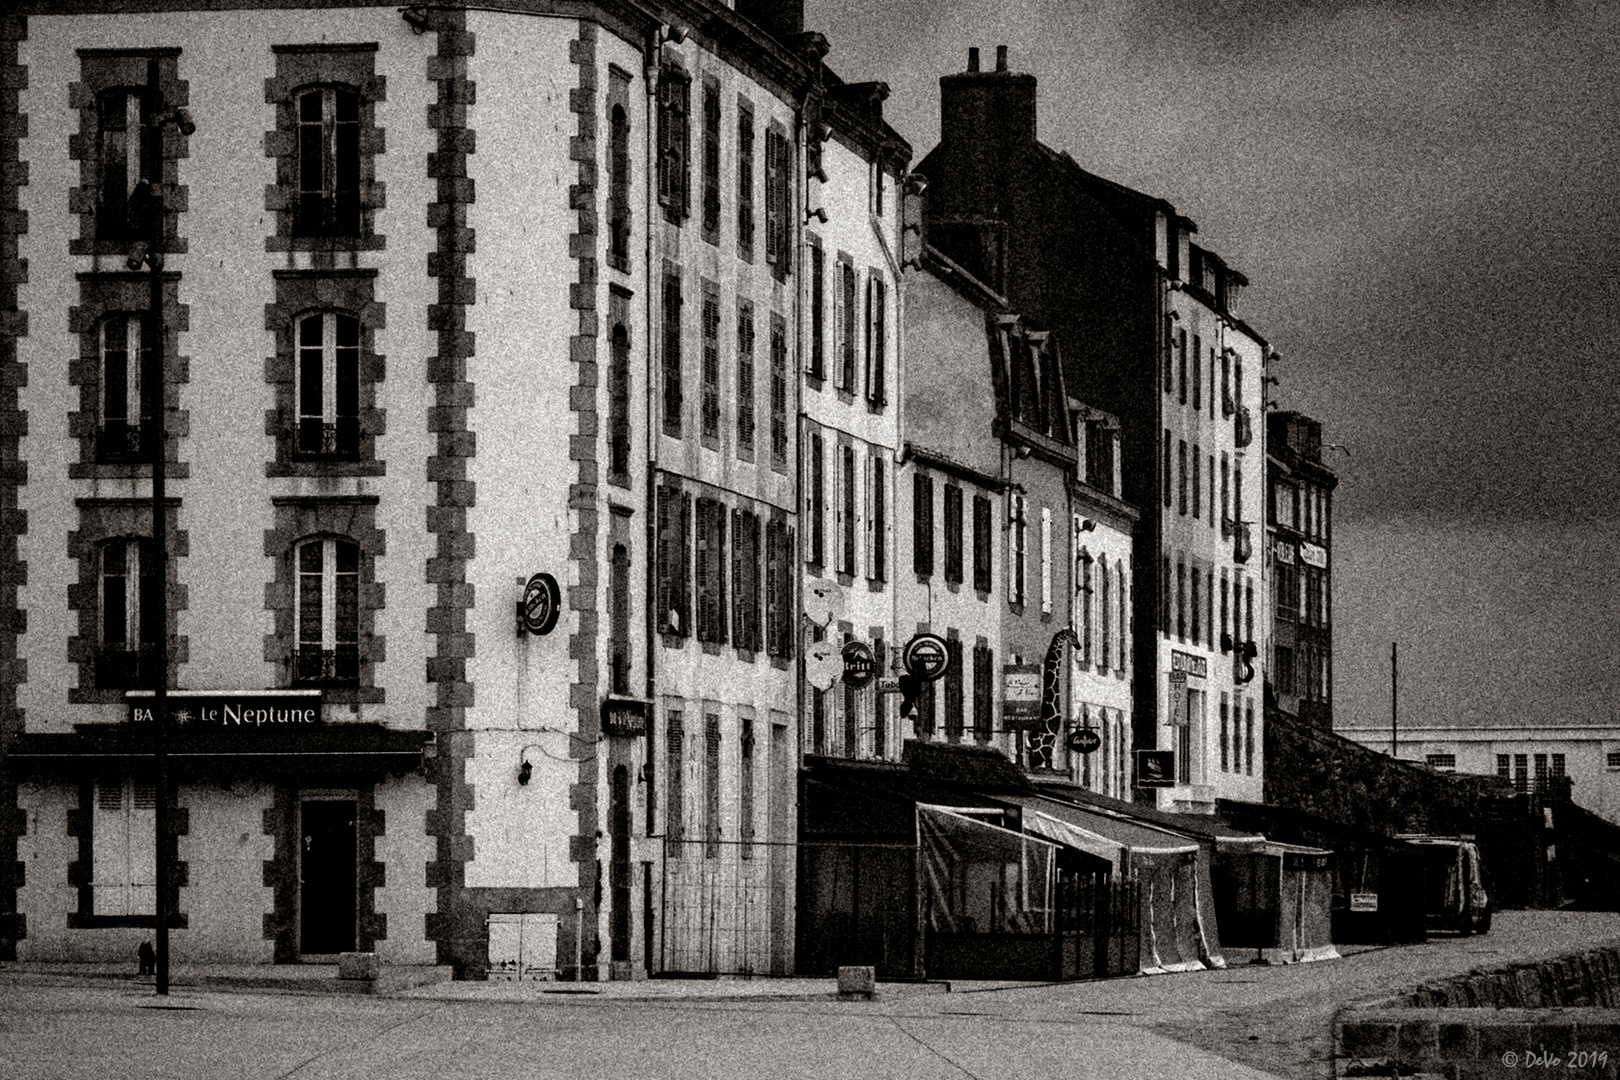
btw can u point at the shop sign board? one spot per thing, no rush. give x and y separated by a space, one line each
859 666
542 600
1189 664
1084 740
1311 555
1364 901
230 709
926 657
1155 768
1020 694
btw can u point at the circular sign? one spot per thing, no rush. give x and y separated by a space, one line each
925 657
1084 740
822 665
859 667
541 603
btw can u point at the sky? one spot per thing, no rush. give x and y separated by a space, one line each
1425 197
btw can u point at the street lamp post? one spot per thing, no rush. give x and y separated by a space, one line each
150 252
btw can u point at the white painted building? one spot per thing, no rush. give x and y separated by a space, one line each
1529 756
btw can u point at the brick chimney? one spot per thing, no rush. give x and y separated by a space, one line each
778 18
986 117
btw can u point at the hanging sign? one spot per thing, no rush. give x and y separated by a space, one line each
1020 695
926 657
859 666
1084 740
1189 664
1155 768
1311 555
542 600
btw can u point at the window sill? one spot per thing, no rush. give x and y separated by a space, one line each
80 921
325 467
126 470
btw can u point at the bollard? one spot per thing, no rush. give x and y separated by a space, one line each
857 983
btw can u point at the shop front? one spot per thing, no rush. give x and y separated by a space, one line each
292 838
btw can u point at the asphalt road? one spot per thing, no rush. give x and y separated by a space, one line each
1245 1022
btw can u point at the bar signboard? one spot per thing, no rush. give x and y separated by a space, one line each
230 708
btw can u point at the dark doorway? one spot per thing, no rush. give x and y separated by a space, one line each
327 878
619 867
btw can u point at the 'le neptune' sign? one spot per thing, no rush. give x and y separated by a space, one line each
230 710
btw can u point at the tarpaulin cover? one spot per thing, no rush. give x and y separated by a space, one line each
982 878
1304 909
1178 913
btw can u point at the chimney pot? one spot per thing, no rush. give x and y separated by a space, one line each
1001 58
973 59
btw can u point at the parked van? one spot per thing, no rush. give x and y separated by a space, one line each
1455 896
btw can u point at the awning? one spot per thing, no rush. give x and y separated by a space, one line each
208 750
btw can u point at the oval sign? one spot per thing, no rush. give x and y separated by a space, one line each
541 603
1084 740
859 667
925 657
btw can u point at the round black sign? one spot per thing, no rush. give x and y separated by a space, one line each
541 603
925 657
859 667
1084 740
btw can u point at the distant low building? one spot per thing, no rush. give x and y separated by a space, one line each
1535 758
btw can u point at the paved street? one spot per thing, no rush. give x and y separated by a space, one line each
1245 1022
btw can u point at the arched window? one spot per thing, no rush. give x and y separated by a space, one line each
619 405
328 162
126 412
130 594
327 612
127 150
619 187
328 391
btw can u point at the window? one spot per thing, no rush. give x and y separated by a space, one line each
619 407
818 502
328 613
779 392
711 363
1181 475
1611 762
328 389
876 332
672 354
1558 765
130 594
126 411
711 783
778 202
1124 625
1083 601
877 517
953 534
619 620
981 543
1446 762
1198 375
779 610
675 788
983 692
1046 560
129 150
852 717
818 312
1285 670
745 628
674 103
1503 771
1166 600
328 162
1181 600
846 318
1197 603
1521 772
847 487
954 700
1169 477
1017 544
619 174
123 871
1227 406
1169 352
1197 483
709 571
1226 631
1226 504
880 704
1287 586
745 180
1225 722
1248 738
1105 608
1212 489
674 514
711 161
1541 772
922 523
1100 455
745 784
745 379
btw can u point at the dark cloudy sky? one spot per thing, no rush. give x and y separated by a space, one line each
1426 200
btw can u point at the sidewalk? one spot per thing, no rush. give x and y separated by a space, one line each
255 978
